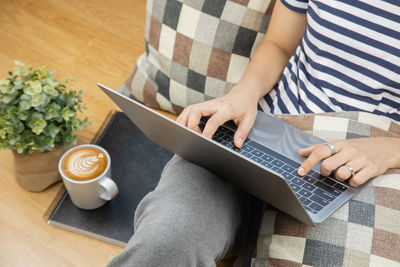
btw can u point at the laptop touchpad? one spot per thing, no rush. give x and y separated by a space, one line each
281 137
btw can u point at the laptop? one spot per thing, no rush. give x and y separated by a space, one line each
266 165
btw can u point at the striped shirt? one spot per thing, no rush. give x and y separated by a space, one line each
348 60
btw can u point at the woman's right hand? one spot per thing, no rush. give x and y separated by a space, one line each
239 105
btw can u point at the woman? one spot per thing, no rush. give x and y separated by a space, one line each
317 56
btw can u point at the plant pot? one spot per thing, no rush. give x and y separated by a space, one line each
37 171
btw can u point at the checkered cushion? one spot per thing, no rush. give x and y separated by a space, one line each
364 232
196 50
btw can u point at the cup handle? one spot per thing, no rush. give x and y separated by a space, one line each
110 188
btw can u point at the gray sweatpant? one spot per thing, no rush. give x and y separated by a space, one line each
192 218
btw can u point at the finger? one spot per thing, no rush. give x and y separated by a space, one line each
198 111
343 173
193 120
319 153
333 162
213 123
242 131
305 152
183 117
362 176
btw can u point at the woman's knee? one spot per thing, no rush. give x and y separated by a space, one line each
168 243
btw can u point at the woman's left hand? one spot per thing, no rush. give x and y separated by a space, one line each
368 157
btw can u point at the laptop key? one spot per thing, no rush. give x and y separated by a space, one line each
257 159
305 201
295 187
323 194
230 132
267 158
288 168
329 181
223 129
305 193
257 153
298 181
219 134
247 148
216 138
328 189
309 179
278 170
287 176
236 149
246 154
315 175
277 163
228 144
319 200
316 207
227 138
340 187
310 209
308 186
267 164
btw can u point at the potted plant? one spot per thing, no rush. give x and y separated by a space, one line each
38 118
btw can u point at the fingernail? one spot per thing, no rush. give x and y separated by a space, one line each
302 171
240 140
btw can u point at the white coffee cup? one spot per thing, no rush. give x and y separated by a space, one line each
89 185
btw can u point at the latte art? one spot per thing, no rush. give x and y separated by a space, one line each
84 163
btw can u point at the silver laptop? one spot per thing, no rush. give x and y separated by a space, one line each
266 165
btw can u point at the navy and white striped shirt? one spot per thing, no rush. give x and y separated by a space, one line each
349 59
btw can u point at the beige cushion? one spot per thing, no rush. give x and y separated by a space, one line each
195 50
363 232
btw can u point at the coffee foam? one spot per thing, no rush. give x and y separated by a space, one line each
84 163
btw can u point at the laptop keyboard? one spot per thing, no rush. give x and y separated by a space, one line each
314 190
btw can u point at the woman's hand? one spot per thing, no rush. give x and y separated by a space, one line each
368 157
239 105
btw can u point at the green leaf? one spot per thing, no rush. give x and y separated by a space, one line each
25 105
9 130
67 113
13 139
19 127
54 93
47 89
40 123
3 133
3 89
7 99
20 149
4 82
22 115
37 130
19 64
52 130
36 116
68 79
38 99
34 87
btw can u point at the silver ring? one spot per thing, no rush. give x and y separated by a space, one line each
331 147
352 171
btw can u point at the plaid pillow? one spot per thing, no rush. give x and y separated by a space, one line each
196 50
364 232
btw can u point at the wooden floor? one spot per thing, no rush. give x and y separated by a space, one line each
94 41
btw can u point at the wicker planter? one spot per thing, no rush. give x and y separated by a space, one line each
37 171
